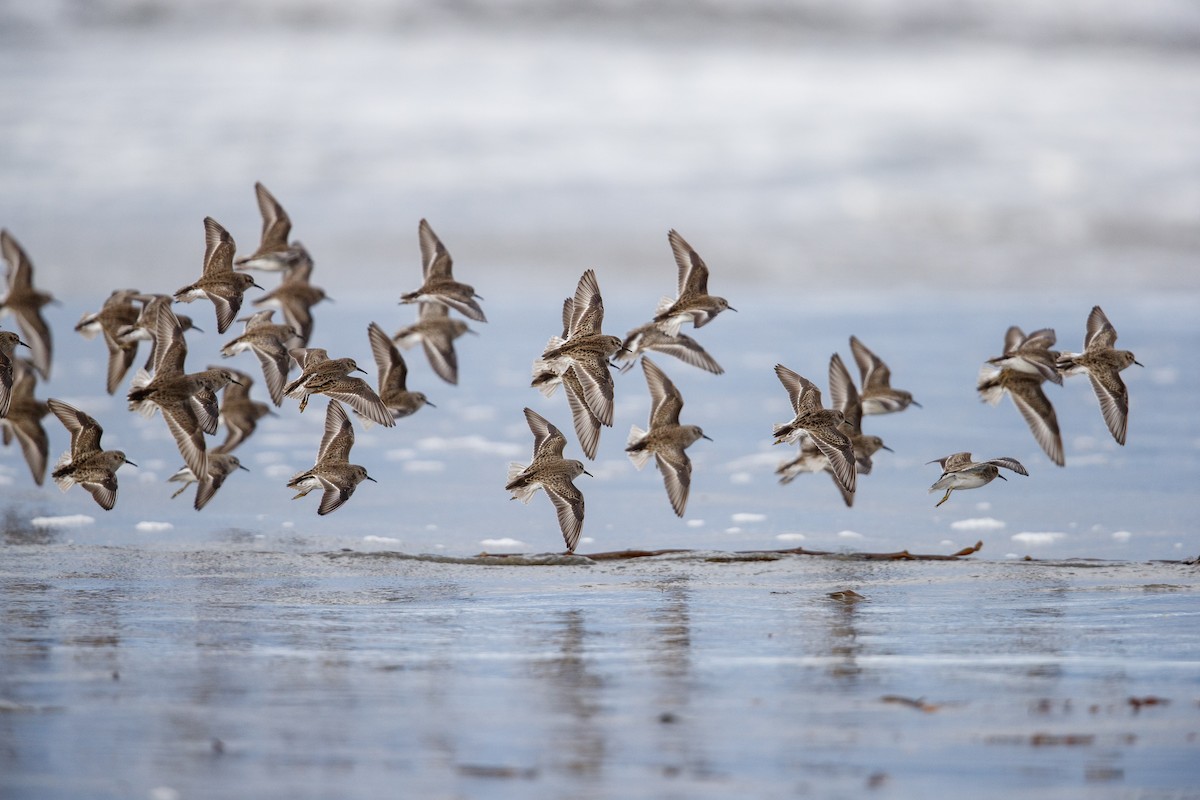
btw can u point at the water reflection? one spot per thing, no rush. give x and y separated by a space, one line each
574 690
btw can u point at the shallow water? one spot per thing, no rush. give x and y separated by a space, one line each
287 672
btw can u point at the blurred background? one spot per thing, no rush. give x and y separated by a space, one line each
798 145
921 174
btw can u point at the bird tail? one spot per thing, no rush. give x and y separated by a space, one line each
523 492
63 481
640 455
137 395
990 390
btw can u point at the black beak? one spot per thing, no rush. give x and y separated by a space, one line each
702 436
918 405
590 475
372 480
431 405
130 463
885 447
245 469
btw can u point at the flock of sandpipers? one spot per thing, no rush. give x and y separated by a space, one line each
579 359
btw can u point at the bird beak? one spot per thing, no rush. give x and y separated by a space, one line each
702 436
235 380
255 285
731 308
197 329
1001 477
23 344
468 330
890 450
918 405
130 463
360 369
372 480
243 468
1140 364
590 475
431 405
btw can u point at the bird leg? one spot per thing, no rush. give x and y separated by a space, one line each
945 497
303 403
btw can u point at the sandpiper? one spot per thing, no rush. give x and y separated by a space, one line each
877 394
1103 365
1030 353
333 471
439 285
821 424
219 283
436 332
188 401
393 376
220 467
118 313
296 295
25 302
843 396
238 412
1025 389
143 328
550 471
960 472
8 343
86 463
24 419
681 346
666 439
546 380
270 343
274 254
693 302
585 348
320 374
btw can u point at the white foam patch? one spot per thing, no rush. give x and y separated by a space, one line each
695 523
1038 537
400 454
978 524
67 521
381 539
419 465
746 516
149 526
279 471
790 537
741 478
849 535
506 541
471 444
1122 536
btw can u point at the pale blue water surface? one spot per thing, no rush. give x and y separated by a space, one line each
921 177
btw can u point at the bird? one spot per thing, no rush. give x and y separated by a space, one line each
119 313
877 394
188 401
1103 364
843 396
550 471
143 328
393 376
274 254
86 463
320 374
1025 389
26 302
238 412
270 343
24 419
651 337
585 348
220 467
1030 354
9 342
436 332
960 472
693 302
440 286
823 425
546 380
219 282
332 472
296 295
665 438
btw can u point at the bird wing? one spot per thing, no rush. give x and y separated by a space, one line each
218 249
665 400
568 504
676 469
547 439
693 273
338 437
435 259
277 226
